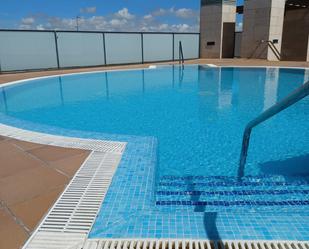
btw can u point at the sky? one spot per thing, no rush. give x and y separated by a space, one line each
107 15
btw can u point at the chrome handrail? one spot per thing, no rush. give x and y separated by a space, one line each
271 45
291 99
273 48
181 58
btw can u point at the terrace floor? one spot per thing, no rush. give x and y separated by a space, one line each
32 176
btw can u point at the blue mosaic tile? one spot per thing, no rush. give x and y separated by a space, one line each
130 210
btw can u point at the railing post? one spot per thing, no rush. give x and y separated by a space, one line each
173 47
180 54
142 47
104 48
179 51
56 46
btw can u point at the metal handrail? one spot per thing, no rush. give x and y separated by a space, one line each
273 48
271 45
181 58
298 94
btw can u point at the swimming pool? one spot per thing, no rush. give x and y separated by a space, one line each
178 176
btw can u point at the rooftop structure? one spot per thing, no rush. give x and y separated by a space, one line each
272 29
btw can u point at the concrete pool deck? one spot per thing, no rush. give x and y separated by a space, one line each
25 201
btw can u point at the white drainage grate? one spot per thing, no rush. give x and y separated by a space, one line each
76 209
191 244
56 240
73 242
69 221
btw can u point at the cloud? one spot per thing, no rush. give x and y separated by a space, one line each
62 23
117 23
185 13
88 10
180 13
40 27
239 26
124 13
27 23
27 20
180 20
183 27
160 12
148 17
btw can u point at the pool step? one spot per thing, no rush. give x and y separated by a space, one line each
227 180
231 192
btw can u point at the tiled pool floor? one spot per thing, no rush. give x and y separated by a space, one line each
131 209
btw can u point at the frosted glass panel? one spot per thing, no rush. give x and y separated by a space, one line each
158 47
20 50
80 49
190 45
123 48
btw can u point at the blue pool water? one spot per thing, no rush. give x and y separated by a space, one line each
178 175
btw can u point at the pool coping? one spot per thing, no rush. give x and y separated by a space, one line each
64 237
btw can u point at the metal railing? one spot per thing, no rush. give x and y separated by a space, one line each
271 45
291 99
56 48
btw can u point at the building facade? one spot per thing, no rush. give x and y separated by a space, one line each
272 29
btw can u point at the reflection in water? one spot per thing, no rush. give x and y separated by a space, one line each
4 100
180 74
235 90
271 87
289 80
106 86
306 76
61 90
251 90
173 72
226 86
199 125
143 80
208 87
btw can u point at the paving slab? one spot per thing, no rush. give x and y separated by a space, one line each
12 235
14 161
52 153
29 183
32 210
70 164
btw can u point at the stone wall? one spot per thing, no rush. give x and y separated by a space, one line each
263 20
